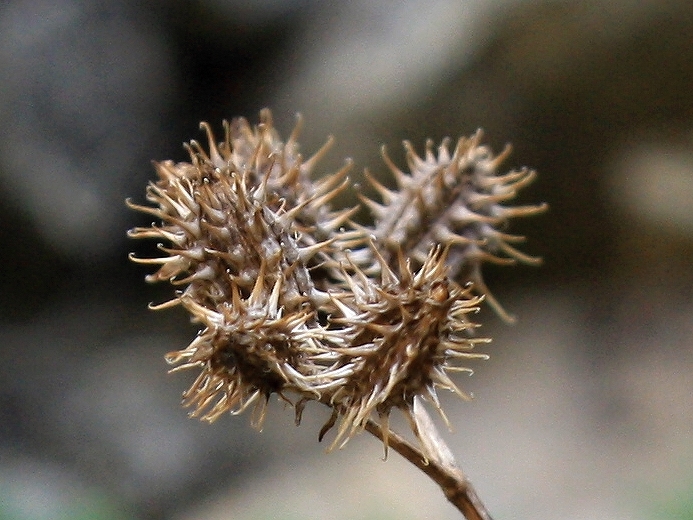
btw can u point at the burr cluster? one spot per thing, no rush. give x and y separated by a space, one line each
296 299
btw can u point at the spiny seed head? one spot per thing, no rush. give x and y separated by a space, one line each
238 224
405 334
456 200
294 299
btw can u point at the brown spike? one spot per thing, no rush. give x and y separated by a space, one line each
518 255
483 256
501 157
165 305
506 179
386 194
401 178
296 132
323 199
387 276
257 294
266 120
213 150
317 156
156 212
461 215
507 237
429 155
328 182
481 288
378 210
197 152
307 252
443 235
154 261
444 151
404 267
416 164
523 211
334 220
290 178
236 300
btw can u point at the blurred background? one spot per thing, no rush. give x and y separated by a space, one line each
585 409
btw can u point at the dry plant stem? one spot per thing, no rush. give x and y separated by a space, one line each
456 487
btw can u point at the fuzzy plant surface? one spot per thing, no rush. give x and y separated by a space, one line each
295 299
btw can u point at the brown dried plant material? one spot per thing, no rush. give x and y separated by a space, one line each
244 257
455 200
405 333
295 299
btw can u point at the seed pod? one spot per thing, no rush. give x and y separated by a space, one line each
242 223
453 200
407 331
